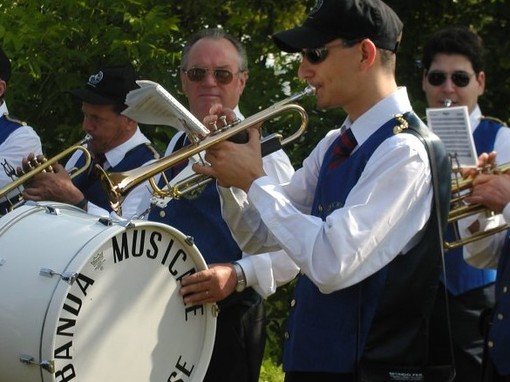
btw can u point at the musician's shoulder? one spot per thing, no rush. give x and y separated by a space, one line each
13 119
494 119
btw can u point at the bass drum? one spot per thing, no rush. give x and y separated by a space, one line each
88 299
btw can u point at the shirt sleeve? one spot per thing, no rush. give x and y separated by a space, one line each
265 272
20 143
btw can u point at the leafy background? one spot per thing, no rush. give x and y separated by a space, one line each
54 46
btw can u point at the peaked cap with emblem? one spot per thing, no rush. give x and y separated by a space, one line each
109 86
346 19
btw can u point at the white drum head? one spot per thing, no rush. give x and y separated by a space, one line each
114 311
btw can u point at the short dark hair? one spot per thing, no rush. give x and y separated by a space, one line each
455 40
215 33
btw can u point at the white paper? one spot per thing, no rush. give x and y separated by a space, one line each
152 104
452 126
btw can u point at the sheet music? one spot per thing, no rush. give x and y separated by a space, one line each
153 105
452 126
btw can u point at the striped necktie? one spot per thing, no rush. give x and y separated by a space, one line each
343 147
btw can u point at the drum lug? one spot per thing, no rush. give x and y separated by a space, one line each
215 310
47 365
52 210
190 240
105 221
68 277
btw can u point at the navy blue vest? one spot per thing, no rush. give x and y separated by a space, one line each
499 333
462 277
373 320
199 216
91 186
7 126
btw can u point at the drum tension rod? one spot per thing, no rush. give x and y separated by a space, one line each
68 277
190 240
49 366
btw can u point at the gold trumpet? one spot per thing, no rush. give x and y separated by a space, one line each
46 166
460 210
118 185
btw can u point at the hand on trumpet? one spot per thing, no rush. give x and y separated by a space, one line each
55 184
486 163
232 164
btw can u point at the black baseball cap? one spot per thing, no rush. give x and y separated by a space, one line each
346 19
5 66
109 86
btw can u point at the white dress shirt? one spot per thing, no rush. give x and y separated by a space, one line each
22 142
384 214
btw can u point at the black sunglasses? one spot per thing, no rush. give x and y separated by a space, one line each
223 76
317 55
459 78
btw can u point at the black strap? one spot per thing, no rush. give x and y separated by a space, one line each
436 153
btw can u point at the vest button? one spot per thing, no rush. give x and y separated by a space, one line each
490 344
320 208
500 316
286 335
505 289
293 303
162 213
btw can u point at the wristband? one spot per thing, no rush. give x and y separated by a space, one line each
241 278
82 204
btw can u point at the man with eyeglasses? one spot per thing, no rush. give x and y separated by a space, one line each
453 75
358 218
214 69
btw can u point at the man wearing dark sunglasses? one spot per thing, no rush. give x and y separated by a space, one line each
214 69
355 217
453 73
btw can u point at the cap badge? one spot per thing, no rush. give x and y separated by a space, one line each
95 79
316 7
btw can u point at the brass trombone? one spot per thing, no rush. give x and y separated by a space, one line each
46 166
118 185
460 210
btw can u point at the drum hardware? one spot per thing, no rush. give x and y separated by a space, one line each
68 277
52 210
190 240
49 366
118 185
215 310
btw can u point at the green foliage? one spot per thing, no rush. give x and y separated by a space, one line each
55 45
